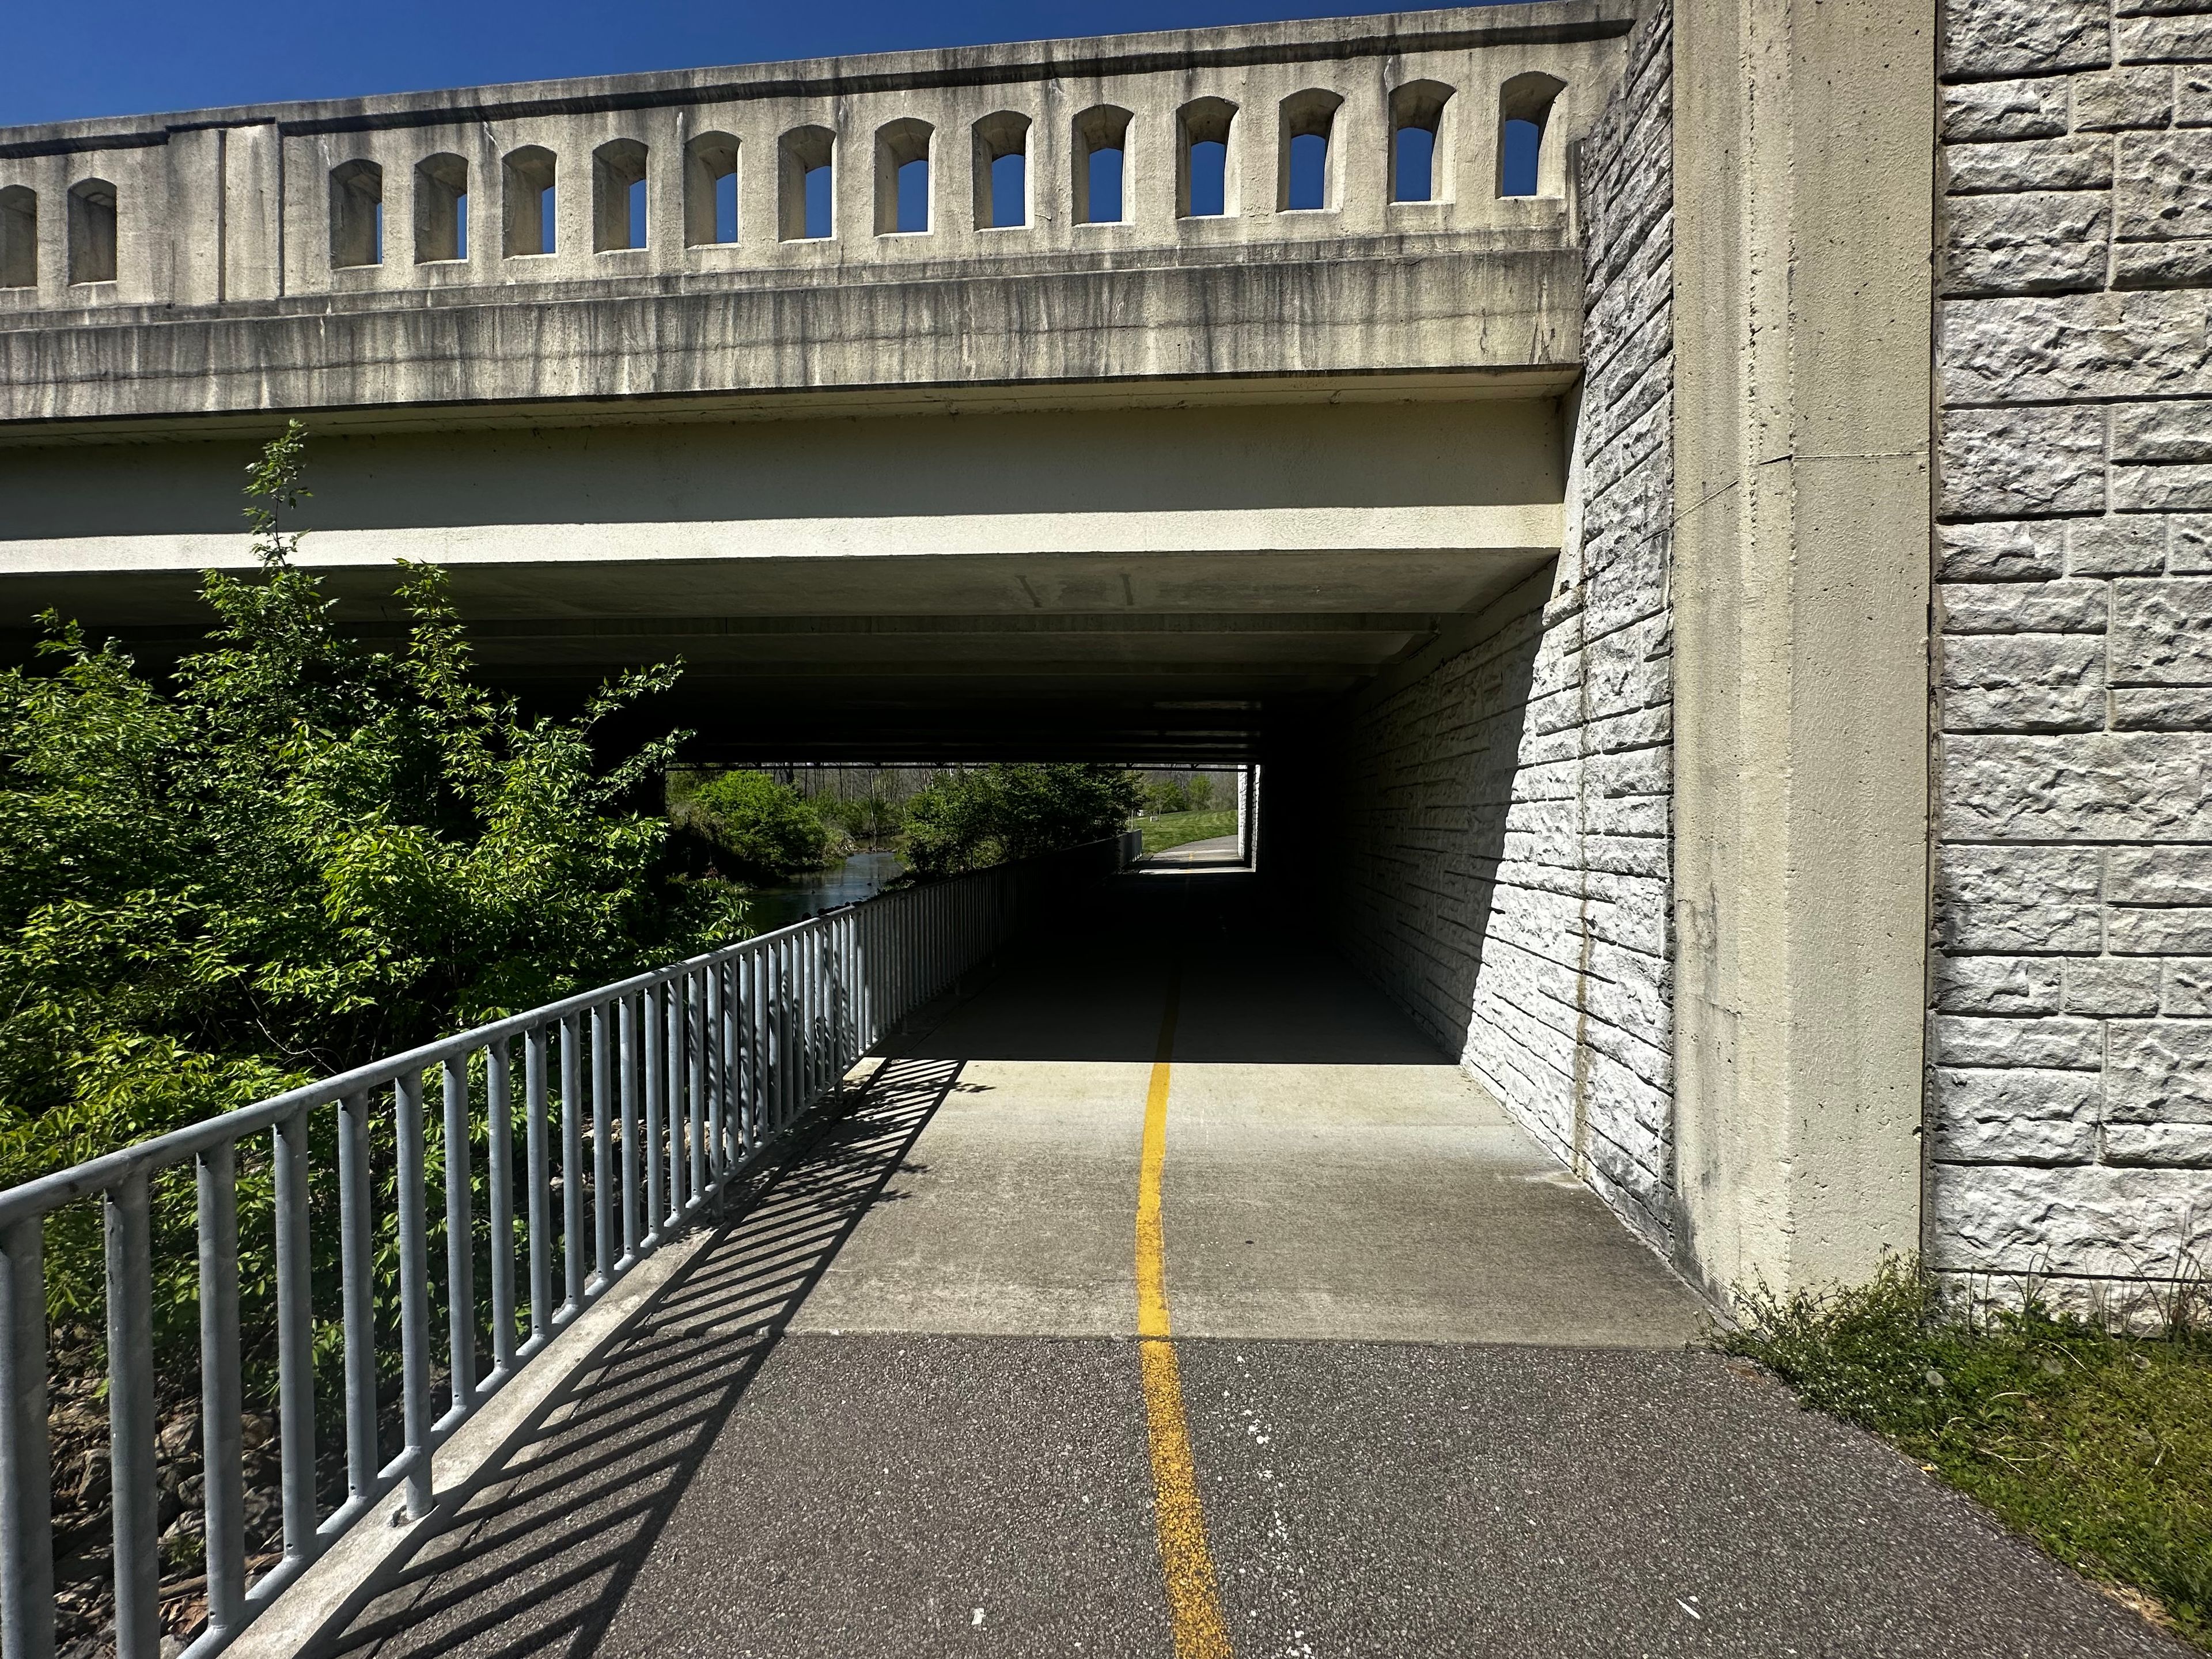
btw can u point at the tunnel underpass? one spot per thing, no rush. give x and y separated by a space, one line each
1429 1392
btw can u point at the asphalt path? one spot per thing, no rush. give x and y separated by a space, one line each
1434 1401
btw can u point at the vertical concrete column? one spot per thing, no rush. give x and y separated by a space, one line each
1803 136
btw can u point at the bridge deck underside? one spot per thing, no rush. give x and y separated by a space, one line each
1133 583
1436 1400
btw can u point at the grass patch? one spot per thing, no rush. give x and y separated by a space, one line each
2096 1446
1174 829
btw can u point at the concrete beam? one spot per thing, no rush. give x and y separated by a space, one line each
1803 143
1355 310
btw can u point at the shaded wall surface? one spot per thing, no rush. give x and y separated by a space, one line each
2070 1083
1492 822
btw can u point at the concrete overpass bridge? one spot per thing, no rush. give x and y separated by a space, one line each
1044 469
1720 615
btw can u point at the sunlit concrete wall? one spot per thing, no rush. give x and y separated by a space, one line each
1496 845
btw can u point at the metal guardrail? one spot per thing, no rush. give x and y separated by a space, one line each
664 1085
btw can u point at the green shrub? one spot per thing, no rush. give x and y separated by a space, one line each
296 854
1163 799
765 830
995 813
873 819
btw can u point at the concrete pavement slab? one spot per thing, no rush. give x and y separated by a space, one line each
1329 1173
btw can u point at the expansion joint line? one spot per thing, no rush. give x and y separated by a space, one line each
1194 1601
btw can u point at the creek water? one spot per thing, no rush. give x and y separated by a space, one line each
862 876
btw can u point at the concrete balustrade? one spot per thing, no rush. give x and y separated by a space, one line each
247 206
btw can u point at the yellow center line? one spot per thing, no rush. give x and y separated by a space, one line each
1193 1603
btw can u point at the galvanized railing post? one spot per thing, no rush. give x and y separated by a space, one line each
794 1019
131 1427
414 1291
715 1089
755 962
672 1012
627 1012
460 1242
572 1163
656 1085
540 1179
26 1542
222 1396
356 1274
499 1151
295 1340
602 1198
694 1041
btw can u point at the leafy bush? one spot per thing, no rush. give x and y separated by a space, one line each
1162 799
2097 1445
873 819
967 820
765 830
296 854
1191 794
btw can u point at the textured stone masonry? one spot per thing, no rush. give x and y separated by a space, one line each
2070 1105
1508 859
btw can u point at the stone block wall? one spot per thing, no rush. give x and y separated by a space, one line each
2069 1117
1502 823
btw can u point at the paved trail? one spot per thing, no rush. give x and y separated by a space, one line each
1420 1395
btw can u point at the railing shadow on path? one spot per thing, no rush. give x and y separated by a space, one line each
539 1560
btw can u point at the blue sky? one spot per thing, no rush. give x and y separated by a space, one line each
140 56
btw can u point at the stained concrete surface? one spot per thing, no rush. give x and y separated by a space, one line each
1329 1173
746 1475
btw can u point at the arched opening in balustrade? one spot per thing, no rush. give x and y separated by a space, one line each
1526 166
92 231
19 237
710 189
1305 172
441 210
530 175
1002 171
1206 183
1100 171
618 201
356 213
806 184
902 177
1419 158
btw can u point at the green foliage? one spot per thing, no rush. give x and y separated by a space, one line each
1163 799
1176 795
2097 1445
872 819
1179 828
296 854
967 820
763 830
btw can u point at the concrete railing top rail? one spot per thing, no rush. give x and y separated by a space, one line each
1075 160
